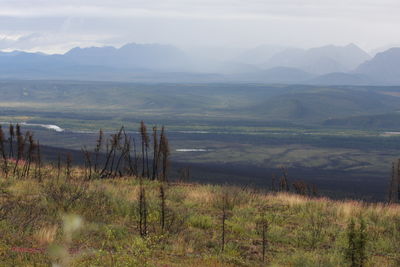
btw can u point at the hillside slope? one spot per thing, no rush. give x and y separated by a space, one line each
98 223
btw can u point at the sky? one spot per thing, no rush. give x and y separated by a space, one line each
55 26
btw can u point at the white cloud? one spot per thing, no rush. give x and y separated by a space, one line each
195 9
58 25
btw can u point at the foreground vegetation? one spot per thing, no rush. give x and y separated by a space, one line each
129 222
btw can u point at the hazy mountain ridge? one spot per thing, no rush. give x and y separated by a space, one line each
131 56
384 66
327 65
320 60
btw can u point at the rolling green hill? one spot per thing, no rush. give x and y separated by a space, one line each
296 103
387 121
317 104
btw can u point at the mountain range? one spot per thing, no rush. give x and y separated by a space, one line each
320 60
330 65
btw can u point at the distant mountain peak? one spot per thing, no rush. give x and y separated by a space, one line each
321 60
352 45
384 67
78 49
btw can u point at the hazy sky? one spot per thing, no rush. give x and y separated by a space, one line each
57 25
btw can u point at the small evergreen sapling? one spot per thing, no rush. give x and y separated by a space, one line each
356 243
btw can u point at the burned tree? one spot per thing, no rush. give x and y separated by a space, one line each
262 224
116 142
88 163
38 168
394 189
162 206
97 150
58 166
273 188
155 153
145 146
111 154
20 147
3 152
301 188
184 174
224 216
30 154
123 150
142 210
164 152
284 181
68 166
11 140
131 164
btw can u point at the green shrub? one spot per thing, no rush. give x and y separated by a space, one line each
201 221
357 239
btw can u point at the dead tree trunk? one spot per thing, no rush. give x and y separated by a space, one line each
58 167
3 152
145 142
162 207
20 147
394 189
11 139
223 221
39 162
97 150
264 229
88 164
68 166
155 148
164 148
142 210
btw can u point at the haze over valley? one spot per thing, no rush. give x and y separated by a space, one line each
326 65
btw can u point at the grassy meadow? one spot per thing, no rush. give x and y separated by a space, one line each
64 218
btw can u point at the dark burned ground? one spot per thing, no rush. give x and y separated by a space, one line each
371 186
334 184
